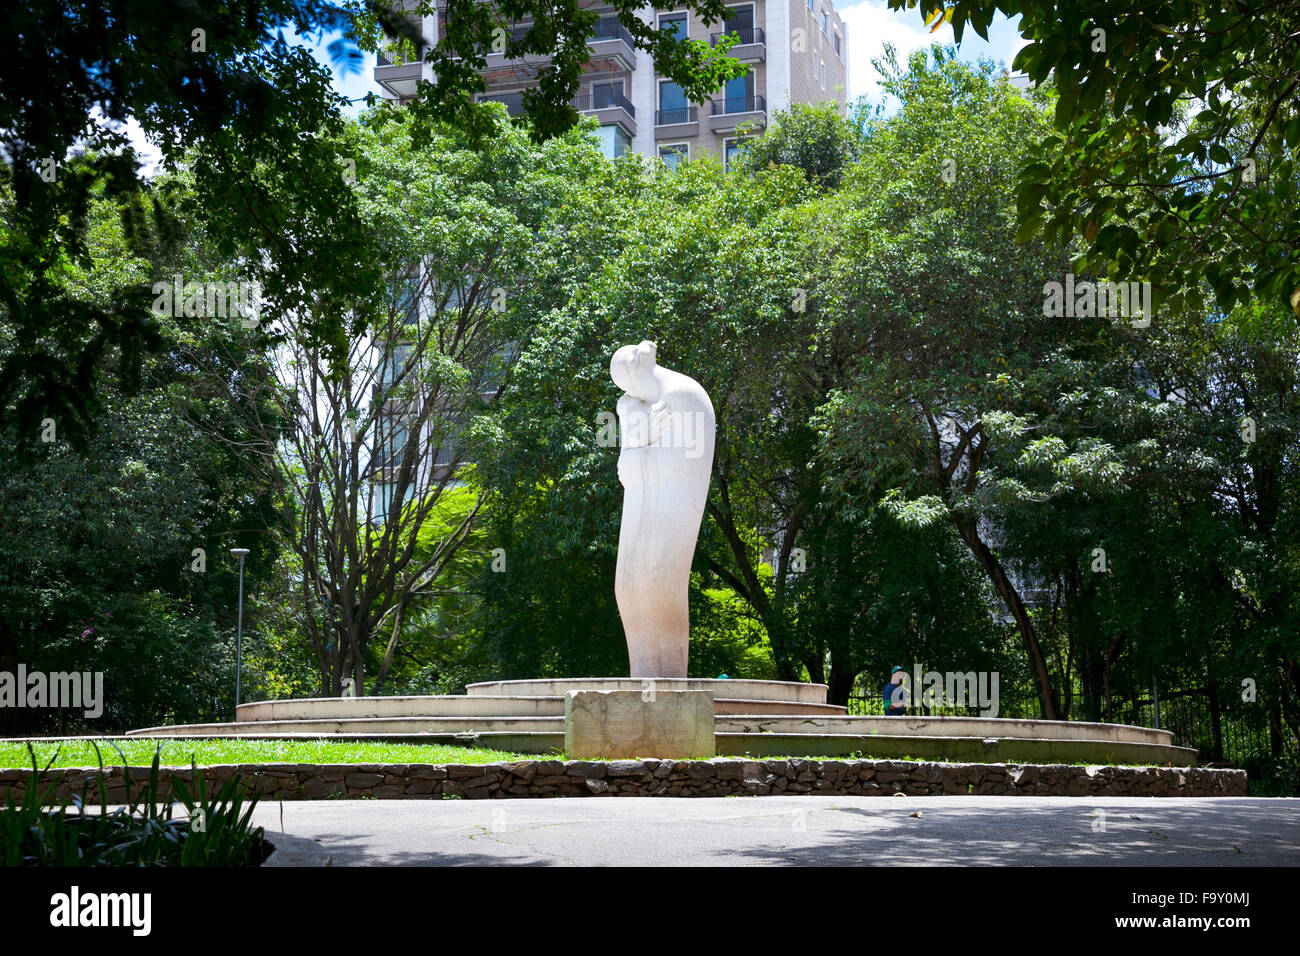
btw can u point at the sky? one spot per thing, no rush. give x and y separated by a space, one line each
870 25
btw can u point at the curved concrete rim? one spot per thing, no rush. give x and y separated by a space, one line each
959 749
759 725
943 727
730 687
483 705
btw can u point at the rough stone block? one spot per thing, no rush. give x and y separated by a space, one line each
624 724
583 768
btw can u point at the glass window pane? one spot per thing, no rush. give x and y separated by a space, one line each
674 23
739 19
671 96
602 94
734 148
614 142
739 92
673 155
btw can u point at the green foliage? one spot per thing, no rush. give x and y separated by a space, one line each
98 565
218 89
1173 157
143 832
815 138
701 264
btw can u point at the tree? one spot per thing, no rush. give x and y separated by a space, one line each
113 556
369 460
952 318
217 87
1173 157
700 263
815 138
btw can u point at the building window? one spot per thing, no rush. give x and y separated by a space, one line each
825 20
733 152
823 76
673 105
614 141
674 154
395 365
740 20
837 45
810 4
392 443
739 93
514 101
605 95
675 23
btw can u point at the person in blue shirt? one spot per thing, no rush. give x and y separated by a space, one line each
893 696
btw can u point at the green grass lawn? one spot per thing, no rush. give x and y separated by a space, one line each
139 751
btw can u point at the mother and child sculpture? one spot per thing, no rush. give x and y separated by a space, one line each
666 438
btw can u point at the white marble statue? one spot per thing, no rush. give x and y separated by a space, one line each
666 428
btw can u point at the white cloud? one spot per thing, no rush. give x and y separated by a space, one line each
149 155
872 25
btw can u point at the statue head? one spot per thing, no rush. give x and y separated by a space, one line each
633 370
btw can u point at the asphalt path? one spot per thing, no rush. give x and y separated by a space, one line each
796 830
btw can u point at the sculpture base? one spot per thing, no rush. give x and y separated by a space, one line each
627 724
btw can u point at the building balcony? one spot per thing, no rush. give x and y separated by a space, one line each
514 102
751 44
611 48
399 79
613 42
609 107
732 111
677 122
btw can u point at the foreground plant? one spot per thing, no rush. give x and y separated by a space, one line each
216 830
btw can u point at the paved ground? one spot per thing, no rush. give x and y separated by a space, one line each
728 831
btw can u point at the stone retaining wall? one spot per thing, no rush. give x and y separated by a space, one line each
663 778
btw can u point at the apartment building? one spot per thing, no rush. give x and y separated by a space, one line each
797 52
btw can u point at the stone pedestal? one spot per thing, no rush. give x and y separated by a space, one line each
622 724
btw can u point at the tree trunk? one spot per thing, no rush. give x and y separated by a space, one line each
1006 590
816 669
388 651
1216 723
1275 730
840 685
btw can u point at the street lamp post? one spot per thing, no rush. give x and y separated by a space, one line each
239 632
